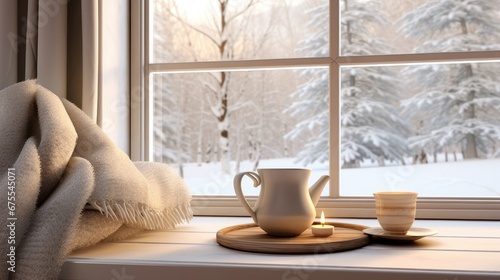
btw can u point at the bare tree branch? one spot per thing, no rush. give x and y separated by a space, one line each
208 36
250 4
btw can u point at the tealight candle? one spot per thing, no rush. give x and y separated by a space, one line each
322 230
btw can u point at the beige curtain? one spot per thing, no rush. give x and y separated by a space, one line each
57 43
61 44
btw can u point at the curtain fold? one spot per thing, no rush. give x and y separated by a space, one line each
9 43
29 29
90 50
52 45
83 55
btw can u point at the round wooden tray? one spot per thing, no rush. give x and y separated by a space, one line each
250 237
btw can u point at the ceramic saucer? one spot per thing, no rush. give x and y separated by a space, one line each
411 235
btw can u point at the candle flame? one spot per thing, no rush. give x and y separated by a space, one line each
322 220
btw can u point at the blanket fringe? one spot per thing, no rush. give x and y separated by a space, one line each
143 216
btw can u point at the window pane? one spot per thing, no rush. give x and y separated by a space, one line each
434 129
211 30
419 26
213 125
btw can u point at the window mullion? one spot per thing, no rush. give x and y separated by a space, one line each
137 75
419 58
239 65
147 107
334 99
334 130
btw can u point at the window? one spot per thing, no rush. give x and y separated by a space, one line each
378 93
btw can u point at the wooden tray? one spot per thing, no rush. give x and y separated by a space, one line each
250 237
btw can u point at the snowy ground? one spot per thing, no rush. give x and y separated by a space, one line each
208 180
476 178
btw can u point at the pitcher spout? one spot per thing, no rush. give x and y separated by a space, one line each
316 189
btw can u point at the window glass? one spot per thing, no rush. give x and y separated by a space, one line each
213 125
430 128
371 27
212 30
434 129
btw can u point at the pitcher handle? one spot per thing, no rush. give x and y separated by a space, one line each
239 193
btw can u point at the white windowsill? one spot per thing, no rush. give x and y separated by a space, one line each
461 250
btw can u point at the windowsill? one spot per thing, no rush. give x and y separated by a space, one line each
461 250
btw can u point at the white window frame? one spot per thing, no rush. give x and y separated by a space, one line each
334 206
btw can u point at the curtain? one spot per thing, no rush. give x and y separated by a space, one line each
62 44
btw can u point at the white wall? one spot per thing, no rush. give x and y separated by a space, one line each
115 70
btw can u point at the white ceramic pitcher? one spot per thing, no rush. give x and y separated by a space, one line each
286 206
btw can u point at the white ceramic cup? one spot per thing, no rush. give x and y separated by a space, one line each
396 210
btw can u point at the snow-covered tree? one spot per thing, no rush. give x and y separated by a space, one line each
170 143
312 105
371 127
460 101
220 37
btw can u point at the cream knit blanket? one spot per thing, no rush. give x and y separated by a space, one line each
64 185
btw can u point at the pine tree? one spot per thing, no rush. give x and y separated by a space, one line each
312 107
370 121
371 127
460 101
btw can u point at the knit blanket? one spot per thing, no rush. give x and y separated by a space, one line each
65 185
